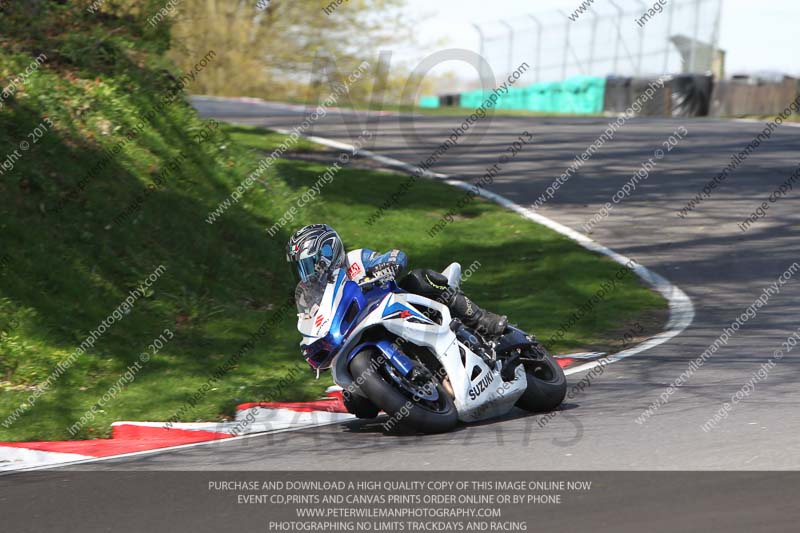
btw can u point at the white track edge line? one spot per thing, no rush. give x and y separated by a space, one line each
680 305
755 121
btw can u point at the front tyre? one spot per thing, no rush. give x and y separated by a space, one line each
358 405
547 384
417 401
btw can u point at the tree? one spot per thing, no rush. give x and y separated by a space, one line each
284 51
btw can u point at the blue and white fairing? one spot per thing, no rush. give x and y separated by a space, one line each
333 316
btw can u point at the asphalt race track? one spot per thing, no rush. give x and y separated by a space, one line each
721 268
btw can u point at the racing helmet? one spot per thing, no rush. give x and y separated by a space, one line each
315 250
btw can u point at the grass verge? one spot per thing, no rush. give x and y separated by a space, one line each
69 260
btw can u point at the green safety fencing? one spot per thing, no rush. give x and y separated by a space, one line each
429 101
577 95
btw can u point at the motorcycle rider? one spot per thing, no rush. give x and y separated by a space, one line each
318 249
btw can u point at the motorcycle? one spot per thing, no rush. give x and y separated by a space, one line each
405 354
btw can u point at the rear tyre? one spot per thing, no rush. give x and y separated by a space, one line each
547 384
418 402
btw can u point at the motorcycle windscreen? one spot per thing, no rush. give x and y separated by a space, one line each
308 295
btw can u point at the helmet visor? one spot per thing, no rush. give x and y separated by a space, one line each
306 269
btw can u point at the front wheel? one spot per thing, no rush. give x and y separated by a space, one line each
358 405
547 384
416 401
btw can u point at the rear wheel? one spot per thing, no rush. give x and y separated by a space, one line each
415 401
547 384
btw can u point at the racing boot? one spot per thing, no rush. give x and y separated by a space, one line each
484 322
434 285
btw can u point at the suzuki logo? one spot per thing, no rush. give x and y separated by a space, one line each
481 386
